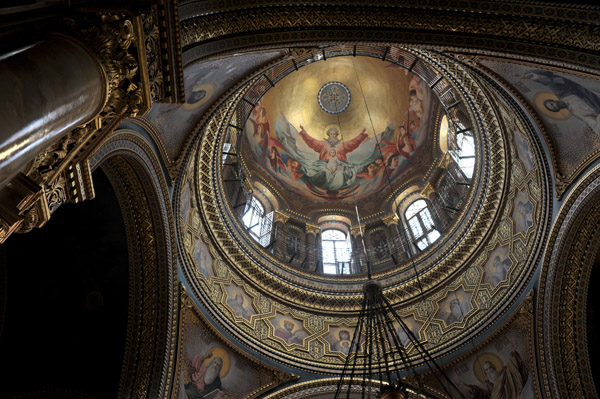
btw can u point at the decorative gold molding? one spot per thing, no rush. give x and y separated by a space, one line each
355 231
390 219
554 32
445 161
279 216
563 287
427 190
136 176
312 229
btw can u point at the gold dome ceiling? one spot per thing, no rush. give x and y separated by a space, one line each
381 138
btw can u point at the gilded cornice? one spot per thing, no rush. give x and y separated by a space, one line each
279 216
355 231
580 13
445 161
390 219
427 190
532 29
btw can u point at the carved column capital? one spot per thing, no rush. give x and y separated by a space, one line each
445 161
355 231
278 216
427 190
312 229
134 55
390 219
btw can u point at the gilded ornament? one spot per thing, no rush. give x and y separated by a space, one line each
316 349
520 250
504 229
390 219
312 229
472 275
280 217
483 299
433 333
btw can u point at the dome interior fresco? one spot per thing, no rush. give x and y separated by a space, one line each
383 138
366 180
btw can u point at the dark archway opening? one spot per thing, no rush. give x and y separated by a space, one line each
66 302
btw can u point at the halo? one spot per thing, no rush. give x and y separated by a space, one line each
333 125
345 343
336 334
209 88
479 362
294 322
222 353
542 96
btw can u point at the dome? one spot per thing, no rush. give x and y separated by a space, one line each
277 223
343 169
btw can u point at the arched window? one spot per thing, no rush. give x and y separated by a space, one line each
464 153
257 222
336 252
422 226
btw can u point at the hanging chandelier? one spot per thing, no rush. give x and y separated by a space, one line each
377 362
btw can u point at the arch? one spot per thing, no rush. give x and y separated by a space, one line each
208 29
137 176
564 282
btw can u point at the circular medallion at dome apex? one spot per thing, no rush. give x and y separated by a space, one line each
460 268
334 97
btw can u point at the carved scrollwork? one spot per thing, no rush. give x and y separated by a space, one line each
153 55
111 37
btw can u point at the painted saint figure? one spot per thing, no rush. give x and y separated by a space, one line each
334 142
287 331
456 313
343 343
204 376
510 381
404 146
581 102
237 304
499 270
525 211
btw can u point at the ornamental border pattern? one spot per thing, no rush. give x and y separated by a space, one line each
547 36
